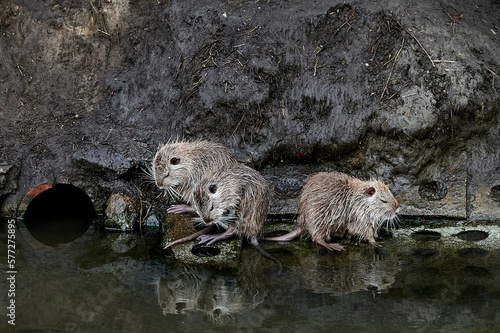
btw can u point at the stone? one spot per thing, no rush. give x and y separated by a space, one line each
121 212
442 197
227 252
485 198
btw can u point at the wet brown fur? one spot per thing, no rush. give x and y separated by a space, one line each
179 166
241 192
336 203
238 188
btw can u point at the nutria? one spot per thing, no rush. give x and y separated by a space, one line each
235 198
336 203
179 166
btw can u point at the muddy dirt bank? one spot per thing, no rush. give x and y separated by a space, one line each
403 92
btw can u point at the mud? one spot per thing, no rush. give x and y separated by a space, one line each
403 92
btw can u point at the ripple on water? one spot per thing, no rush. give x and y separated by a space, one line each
472 235
472 253
426 236
425 271
425 291
425 253
475 271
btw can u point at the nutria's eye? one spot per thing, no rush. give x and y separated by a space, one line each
212 207
175 160
370 191
384 201
212 189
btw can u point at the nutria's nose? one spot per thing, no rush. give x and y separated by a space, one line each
159 181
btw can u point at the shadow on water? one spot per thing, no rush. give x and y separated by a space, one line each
102 282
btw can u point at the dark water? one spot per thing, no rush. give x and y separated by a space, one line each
117 282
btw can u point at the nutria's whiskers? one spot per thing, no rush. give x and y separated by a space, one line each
147 175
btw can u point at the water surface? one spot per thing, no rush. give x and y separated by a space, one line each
124 282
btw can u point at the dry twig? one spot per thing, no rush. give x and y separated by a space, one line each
392 68
432 61
493 75
347 20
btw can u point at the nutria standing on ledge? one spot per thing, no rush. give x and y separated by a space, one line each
235 198
179 166
336 203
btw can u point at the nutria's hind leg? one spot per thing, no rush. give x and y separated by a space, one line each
373 243
210 239
286 237
179 209
331 246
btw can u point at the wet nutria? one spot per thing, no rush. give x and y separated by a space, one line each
235 198
336 203
179 166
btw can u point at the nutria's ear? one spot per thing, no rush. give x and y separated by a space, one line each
370 191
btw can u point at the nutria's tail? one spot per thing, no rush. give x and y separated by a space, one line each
286 237
256 244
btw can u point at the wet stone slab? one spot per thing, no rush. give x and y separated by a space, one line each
449 242
221 254
443 196
485 197
483 235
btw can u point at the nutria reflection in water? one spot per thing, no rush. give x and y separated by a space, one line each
353 272
194 288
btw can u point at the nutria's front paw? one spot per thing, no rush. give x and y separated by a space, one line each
179 209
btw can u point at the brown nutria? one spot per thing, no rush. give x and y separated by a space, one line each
235 198
336 203
179 166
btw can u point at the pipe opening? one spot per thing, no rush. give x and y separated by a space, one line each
59 214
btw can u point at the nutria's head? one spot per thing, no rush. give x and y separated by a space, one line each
171 165
178 166
216 199
378 201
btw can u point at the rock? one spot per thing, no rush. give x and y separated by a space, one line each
9 206
151 222
4 168
441 197
221 254
121 212
485 198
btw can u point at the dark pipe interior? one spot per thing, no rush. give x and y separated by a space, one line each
59 215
